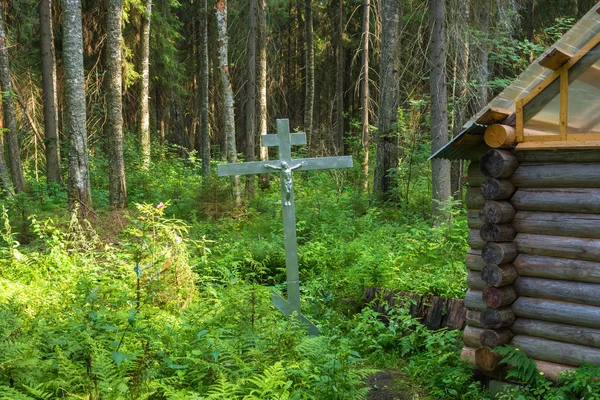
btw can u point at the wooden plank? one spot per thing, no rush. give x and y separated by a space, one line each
564 103
572 292
557 311
554 59
558 145
557 224
554 331
558 246
580 200
557 268
519 123
558 352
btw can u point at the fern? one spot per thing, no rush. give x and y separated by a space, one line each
522 367
8 393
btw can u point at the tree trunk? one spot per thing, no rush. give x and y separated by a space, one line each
203 134
48 61
251 93
530 19
387 137
79 178
262 84
117 189
339 82
10 122
365 97
441 190
310 73
483 68
145 85
461 91
228 115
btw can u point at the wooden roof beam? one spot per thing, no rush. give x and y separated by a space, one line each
493 116
554 59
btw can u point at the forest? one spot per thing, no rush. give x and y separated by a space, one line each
130 270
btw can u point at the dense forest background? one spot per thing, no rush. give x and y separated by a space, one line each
129 270
333 68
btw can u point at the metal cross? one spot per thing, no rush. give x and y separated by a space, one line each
285 165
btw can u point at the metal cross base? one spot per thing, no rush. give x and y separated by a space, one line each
285 165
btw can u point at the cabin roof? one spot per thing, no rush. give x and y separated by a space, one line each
570 43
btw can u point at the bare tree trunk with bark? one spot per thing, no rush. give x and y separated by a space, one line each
251 94
228 110
117 188
203 133
8 108
365 96
48 61
387 137
339 82
75 117
440 181
310 73
262 84
460 92
145 84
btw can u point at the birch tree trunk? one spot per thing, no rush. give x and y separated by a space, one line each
251 94
440 181
10 122
310 73
365 97
75 117
262 84
117 188
339 82
387 137
228 115
48 61
145 85
203 89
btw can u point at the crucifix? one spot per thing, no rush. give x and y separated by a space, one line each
285 165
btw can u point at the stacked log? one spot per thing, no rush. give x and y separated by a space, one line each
491 274
498 274
474 200
557 227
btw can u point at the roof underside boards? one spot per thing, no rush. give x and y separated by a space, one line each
571 42
467 145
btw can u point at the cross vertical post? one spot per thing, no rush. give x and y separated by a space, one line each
286 165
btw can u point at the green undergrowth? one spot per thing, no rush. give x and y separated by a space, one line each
171 299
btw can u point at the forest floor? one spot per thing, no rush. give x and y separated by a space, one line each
393 384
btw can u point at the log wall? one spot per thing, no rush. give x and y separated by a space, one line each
534 268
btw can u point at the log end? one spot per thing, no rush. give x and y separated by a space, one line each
499 136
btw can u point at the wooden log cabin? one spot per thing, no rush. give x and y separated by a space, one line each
533 201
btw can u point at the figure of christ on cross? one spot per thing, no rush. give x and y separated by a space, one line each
285 165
